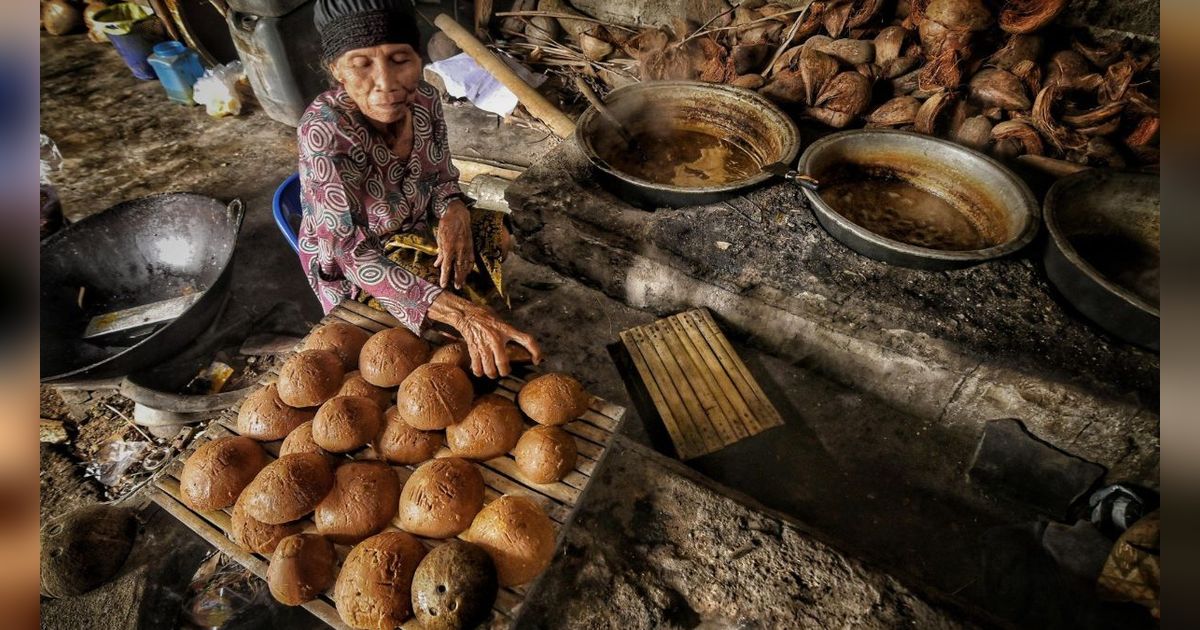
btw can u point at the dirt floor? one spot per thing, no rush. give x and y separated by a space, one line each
881 529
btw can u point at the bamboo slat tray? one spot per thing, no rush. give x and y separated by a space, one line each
706 397
593 434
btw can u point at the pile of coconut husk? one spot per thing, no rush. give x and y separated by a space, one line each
996 75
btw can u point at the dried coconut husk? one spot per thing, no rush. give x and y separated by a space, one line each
1100 152
1117 79
849 51
868 70
974 132
933 112
710 60
593 47
775 9
862 12
889 43
789 59
907 83
817 70
1017 49
1025 136
1105 128
993 87
646 43
1139 103
1043 120
542 30
574 28
836 16
1101 55
958 15
1030 75
844 98
896 112
942 70
748 58
898 67
786 87
749 81
1027 16
1065 67
1144 132
1096 116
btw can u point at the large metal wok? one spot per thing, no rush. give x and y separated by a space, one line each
136 253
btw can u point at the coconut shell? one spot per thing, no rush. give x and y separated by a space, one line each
553 399
748 81
310 377
355 385
453 353
302 567
545 454
896 112
346 423
343 339
372 591
993 87
389 356
975 132
256 536
454 587
440 498
363 500
217 472
490 429
289 488
518 536
265 417
434 396
300 440
399 443
960 15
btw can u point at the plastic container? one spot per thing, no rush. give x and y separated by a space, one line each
281 53
178 67
133 31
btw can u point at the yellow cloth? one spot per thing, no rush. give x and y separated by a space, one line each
417 252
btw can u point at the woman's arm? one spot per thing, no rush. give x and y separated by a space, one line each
485 334
343 244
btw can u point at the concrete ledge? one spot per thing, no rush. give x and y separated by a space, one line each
848 336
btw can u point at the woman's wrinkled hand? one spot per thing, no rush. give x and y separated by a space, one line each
456 252
485 334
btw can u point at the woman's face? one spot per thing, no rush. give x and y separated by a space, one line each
381 80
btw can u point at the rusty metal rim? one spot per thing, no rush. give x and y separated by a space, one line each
776 116
1050 214
1014 244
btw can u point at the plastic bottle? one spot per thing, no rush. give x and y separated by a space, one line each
178 67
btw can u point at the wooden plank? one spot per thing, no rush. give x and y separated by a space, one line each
705 369
362 310
694 372
351 317
703 432
719 376
657 394
765 412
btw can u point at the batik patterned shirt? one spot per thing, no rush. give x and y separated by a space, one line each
355 192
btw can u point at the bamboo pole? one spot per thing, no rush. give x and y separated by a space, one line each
538 105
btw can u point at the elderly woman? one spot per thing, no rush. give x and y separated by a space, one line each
384 220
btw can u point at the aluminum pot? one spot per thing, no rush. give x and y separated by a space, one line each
741 116
992 194
1103 250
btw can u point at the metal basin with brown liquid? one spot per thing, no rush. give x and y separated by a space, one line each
696 142
1103 251
917 201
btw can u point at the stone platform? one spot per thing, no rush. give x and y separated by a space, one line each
959 347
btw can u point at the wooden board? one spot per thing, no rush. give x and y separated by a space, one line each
593 433
706 397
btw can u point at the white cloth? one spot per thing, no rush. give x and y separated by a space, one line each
464 78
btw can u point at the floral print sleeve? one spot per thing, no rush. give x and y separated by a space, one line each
339 238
